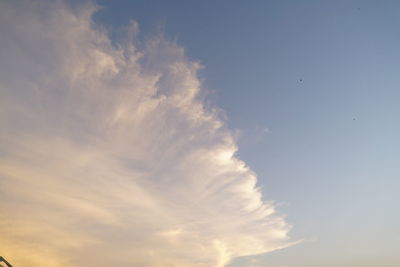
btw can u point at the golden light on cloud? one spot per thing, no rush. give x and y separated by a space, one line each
109 157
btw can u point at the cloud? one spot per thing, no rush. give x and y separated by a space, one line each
108 155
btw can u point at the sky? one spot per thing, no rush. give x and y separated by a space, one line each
200 133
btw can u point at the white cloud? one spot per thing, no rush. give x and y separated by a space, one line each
109 157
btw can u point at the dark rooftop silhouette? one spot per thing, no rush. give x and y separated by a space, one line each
4 260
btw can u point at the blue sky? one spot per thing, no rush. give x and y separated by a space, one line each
123 159
330 155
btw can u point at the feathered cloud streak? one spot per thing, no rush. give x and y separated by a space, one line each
108 155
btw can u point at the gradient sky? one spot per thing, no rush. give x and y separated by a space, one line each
331 151
309 91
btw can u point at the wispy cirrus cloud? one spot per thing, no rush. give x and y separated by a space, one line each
108 155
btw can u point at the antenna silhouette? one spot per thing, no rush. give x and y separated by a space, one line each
6 262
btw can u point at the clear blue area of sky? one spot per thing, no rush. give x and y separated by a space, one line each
324 78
